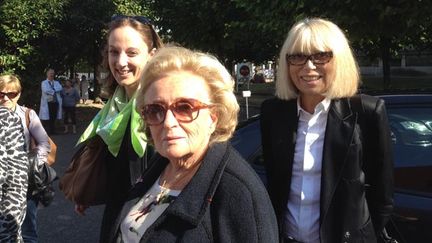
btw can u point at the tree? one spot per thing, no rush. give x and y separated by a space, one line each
381 28
377 28
82 37
223 28
36 34
21 24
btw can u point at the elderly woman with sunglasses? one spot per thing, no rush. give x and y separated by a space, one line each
10 87
198 189
131 42
327 151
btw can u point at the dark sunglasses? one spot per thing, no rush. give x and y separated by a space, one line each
319 58
10 95
183 109
140 19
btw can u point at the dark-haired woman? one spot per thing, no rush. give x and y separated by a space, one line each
131 42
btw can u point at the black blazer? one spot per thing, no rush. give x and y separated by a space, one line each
357 167
224 202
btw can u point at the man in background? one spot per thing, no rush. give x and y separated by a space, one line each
51 102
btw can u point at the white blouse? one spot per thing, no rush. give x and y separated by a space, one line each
303 207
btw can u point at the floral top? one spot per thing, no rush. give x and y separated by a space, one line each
145 212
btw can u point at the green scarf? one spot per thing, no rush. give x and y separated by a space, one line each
110 124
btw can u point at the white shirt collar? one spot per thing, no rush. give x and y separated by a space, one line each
323 105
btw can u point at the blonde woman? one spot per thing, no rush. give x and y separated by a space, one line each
313 149
198 188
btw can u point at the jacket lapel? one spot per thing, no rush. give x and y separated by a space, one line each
338 136
191 206
288 132
284 136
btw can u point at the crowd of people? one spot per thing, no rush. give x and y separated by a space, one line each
172 175
59 100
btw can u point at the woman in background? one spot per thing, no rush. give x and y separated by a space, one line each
70 98
84 89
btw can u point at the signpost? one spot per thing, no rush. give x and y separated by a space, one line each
244 74
247 94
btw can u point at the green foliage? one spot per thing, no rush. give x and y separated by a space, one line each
130 7
376 28
225 28
22 22
68 35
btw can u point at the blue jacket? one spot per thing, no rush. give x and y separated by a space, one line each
224 202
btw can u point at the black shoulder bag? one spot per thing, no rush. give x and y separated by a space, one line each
40 176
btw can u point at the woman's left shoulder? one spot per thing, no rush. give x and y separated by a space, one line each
239 174
368 103
23 109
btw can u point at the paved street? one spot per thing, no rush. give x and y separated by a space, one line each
58 222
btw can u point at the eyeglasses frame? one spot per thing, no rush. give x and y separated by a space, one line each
310 57
170 107
14 94
141 19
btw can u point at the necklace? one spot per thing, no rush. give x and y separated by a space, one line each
161 198
177 178
163 192
179 181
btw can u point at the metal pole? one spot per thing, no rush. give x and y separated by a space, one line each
247 108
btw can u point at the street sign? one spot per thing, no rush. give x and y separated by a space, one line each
246 93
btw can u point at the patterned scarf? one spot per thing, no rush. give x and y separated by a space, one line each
110 124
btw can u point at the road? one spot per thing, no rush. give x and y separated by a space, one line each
58 222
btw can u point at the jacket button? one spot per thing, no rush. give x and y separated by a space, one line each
347 235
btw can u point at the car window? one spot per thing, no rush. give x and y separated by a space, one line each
411 131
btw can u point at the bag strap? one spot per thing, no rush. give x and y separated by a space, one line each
52 85
27 117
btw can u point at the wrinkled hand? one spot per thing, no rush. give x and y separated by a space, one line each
80 209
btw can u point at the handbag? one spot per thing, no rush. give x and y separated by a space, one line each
52 98
53 151
41 175
85 180
40 180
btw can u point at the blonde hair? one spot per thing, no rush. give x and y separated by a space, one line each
313 35
219 81
9 80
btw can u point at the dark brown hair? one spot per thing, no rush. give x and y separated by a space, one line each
149 36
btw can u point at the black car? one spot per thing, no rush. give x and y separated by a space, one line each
410 120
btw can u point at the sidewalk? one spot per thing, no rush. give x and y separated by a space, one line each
59 222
